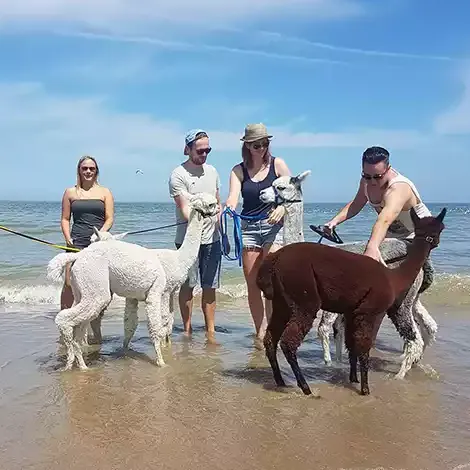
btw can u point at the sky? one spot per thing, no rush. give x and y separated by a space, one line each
124 80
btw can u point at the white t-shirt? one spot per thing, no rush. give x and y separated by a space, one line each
202 179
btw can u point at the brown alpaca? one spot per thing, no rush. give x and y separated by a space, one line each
302 278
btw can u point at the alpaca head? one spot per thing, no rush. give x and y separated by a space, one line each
204 204
99 236
284 190
429 228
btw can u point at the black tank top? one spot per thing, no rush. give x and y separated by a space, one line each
86 213
252 205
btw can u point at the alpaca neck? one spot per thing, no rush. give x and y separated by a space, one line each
294 223
189 249
404 275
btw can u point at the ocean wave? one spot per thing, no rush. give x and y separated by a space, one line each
451 290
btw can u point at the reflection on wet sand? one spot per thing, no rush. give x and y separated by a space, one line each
217 407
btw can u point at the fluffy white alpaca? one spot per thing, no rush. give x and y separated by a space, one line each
287 191
176 263
131 271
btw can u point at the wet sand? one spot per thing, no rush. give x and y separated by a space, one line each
216 406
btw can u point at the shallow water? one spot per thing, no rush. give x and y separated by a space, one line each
217 407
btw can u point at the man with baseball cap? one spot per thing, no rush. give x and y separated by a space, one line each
195 176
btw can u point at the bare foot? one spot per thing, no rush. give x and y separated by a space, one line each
258 343
210 337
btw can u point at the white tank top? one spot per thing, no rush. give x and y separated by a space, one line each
403 226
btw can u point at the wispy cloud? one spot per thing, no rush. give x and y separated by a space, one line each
456 119
187 46
274 37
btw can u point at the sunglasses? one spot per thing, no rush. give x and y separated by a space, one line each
378 176
260 145
206 151
90 168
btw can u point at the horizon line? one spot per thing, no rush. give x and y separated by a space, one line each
56 201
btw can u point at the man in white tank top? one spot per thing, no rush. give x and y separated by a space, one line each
391 194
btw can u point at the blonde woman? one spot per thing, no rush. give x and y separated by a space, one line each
89 204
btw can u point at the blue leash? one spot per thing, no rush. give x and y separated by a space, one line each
237 233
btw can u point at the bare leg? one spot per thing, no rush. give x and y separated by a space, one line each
251 261
208 304
66 297
269 248
186 307
131 320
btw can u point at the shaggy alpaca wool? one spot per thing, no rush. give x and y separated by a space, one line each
176 265
130 271
287 191
303 277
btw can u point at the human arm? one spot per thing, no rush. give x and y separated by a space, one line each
394 200
109 211
351 209
235 186
177 189
65 217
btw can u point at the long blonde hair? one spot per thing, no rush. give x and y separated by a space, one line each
78 186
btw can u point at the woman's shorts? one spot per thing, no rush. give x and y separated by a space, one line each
257 234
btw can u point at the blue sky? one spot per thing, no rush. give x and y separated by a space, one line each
123 80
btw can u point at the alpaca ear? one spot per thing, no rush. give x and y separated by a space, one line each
442 214
414 217
300 177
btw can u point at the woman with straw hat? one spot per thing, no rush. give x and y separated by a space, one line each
263 234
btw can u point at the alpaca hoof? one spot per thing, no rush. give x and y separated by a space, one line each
365 391
306 389
84 368
353 379
399 376
327 362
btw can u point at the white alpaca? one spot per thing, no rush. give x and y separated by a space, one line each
177 264
287 191
131 271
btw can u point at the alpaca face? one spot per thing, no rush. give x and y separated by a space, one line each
429 228
204 203
284 189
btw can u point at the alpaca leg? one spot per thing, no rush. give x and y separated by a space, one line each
131 320
402 318
360 334
291 339
338 331
166 316
96 328
270 341
324 329
80 331
154 322
426 322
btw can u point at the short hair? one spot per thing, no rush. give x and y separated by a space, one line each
374 155
198 136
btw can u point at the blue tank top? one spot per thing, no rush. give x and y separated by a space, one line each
86 213
252 205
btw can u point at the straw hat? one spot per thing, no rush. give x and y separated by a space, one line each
255 132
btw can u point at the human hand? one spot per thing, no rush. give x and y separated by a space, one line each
276 215
374 253
329 226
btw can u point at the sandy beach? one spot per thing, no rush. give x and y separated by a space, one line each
217 407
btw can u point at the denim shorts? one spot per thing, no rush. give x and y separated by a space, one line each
258 233
206 270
